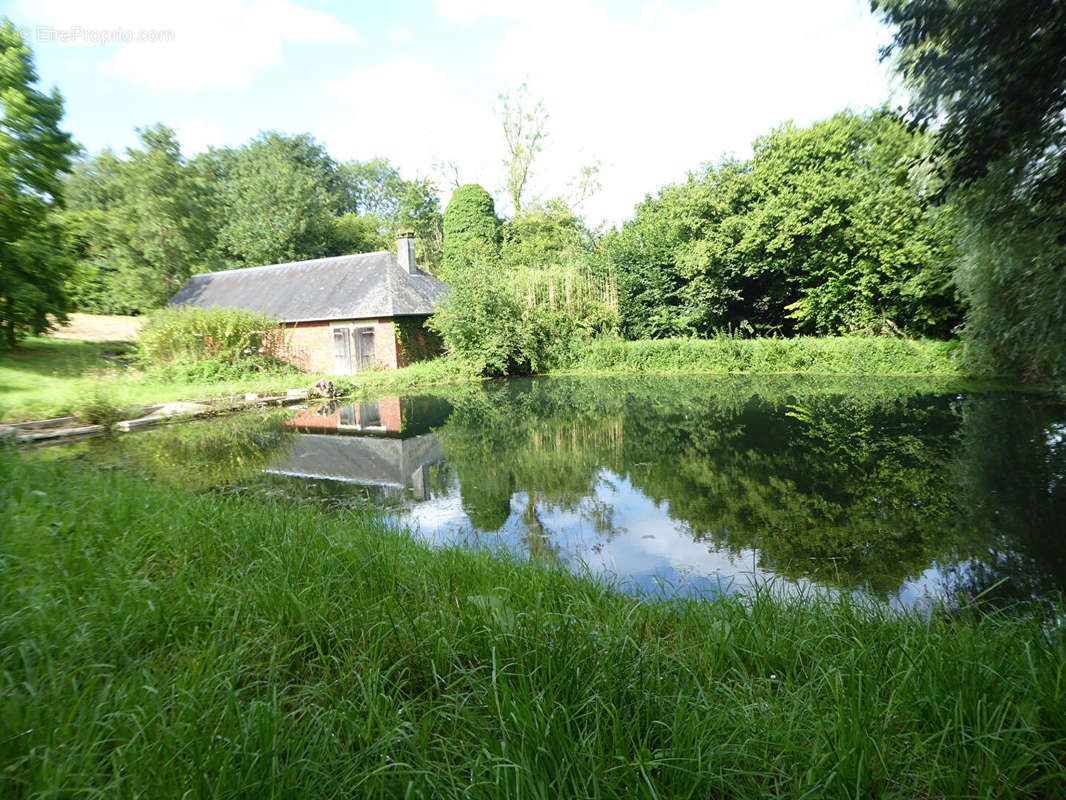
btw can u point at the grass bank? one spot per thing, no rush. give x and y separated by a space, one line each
159 644
804 354
48 377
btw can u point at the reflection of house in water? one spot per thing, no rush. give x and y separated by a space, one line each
377 416
378 443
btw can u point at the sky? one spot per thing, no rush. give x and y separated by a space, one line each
648 89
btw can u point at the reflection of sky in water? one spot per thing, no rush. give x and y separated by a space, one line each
647 550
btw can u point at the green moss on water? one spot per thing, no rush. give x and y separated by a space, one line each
163 644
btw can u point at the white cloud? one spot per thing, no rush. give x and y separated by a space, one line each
196 135
398 34
467 11
658 95
403 110
206 43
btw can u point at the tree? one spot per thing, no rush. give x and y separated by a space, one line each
141 225
840 237
471 230
543 235
988 75
377 191
279 196
34 154
821 231
357 233
524 129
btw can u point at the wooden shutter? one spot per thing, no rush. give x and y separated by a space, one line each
342 352
364 345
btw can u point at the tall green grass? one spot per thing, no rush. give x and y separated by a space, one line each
804 354
157 644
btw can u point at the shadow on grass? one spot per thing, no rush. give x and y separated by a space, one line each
43 356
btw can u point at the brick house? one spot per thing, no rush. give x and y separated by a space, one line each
341 314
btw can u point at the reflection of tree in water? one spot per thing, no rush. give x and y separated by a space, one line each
537 540
486 496
201 455
600 515
1011 474
836 489
848 483
516 436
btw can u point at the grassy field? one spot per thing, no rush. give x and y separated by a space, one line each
157 644
99 328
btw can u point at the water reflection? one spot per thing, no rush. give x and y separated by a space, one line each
374 443
896 489
363 460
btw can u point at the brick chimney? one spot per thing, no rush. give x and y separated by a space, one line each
405 251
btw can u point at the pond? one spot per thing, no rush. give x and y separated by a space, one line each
902 490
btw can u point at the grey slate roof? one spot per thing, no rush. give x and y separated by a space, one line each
342 287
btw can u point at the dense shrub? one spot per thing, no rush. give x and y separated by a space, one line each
485 325
471 230
210 343
531 321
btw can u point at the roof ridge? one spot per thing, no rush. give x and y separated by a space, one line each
305 262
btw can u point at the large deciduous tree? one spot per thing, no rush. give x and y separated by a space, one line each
821 231
989 76
34 154
279 196
140 225
384 200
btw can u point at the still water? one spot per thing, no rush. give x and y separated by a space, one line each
901 490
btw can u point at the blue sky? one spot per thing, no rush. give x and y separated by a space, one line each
649 89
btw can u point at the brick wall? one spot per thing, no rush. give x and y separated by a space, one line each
309 345
391 413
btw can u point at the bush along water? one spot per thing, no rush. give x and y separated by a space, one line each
729 353
525 322
211 344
